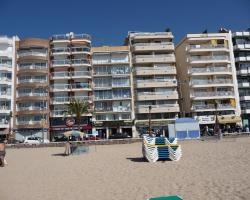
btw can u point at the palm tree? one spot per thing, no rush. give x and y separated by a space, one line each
77 108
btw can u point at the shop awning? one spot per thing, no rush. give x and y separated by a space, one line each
229 119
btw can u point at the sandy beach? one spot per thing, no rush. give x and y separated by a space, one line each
208 170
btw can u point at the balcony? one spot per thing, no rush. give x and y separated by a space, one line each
243 84
211 83
61 51
58 113
32 53
124 85
208 59
81 74
5 109
245 45
243 71
31 110
245 97
156 96
60 75
211 107
60 87
5 81
211 70
164 58
81 37
153 83
4 123
81 86
80 62
113 109
207 47
66 100
155 70
29 124
153 47
107 86
150 35
163 108
80 50
61 63
32 68
212 95
242 58
62 38
20 81
109 61
5 67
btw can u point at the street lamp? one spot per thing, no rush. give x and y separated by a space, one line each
149 119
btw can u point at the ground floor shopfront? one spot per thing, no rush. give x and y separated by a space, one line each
105 129
21 134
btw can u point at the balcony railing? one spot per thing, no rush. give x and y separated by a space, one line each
58 112
4 108
79 61
153 44
80 49
33 94
81 36
60 50
61 62
113 109
205 82
207 46
31 108
70 86
211 94
158 106
81 73
60 74
32 53
156 93
155 80
205 58
211 106
155 56
32 66
30 122
210 69
32 80
60 37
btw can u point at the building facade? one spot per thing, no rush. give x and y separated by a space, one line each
7 60
70 78
112 87
31 85
154 80
241 44
207 73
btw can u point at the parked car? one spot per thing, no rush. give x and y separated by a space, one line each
119 136
32 140
35 140
91 137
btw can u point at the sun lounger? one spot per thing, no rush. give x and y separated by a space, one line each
166 198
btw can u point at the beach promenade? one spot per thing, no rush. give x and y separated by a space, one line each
207 170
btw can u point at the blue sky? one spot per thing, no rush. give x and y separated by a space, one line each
108 21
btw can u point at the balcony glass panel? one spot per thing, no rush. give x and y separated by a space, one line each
35 65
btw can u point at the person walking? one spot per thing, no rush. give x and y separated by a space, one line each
2 153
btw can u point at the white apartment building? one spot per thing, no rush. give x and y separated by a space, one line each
154 79
7 61
241 44
112 87
207 73
70 78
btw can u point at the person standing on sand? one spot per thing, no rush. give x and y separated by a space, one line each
2 153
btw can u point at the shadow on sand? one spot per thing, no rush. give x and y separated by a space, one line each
59 154
138 159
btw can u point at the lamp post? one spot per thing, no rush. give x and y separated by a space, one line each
149 119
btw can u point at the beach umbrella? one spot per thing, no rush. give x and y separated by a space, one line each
74 133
